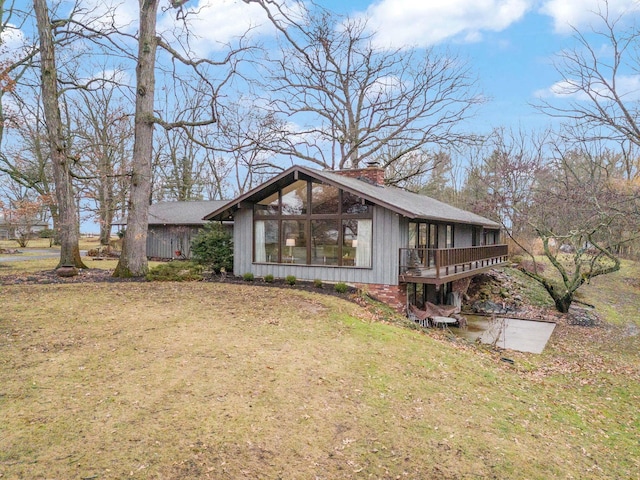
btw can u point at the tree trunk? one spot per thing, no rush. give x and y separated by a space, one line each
67 224
563 303
133 260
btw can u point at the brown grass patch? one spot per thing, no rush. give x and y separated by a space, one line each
202 380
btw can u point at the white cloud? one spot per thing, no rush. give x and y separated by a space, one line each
577 13
213 23
423 23
12 38
627 87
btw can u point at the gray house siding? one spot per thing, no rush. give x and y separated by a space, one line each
462 236
164 240
387 238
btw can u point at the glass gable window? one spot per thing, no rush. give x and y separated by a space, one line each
353 205
313 224
324 199
294 199
268 206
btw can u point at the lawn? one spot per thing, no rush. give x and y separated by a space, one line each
214 380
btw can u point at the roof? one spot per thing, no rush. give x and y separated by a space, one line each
408 204
182 213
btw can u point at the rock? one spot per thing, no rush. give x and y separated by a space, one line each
487 306
582 316
67 271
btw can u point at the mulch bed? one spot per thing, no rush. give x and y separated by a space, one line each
94 275
50 276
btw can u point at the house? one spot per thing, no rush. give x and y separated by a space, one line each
172 226
347 226
16 227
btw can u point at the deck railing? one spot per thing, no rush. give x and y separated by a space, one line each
442 262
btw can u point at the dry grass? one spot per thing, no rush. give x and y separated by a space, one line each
175 381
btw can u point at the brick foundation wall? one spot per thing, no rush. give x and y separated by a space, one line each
393 295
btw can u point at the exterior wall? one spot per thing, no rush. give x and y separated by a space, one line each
387 239
462 235
164 240
393 295
10 232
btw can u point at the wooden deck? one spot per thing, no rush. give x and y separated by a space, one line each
442 265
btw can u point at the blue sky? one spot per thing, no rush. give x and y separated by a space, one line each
510 44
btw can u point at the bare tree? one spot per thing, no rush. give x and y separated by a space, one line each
347 101
58 147
501 176
246 138
25 161
133 261
103 132
575 217
595 91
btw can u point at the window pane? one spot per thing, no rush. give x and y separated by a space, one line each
324 199
413 228
268 206
266 241
324 242
294 199
449 238
422 239
433 235
356 242
352 204
294 242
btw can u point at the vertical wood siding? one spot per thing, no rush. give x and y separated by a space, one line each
164 240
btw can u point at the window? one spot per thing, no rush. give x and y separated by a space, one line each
266 242
448 242
324 199
294 241
268 206
294 199
324 242
313 224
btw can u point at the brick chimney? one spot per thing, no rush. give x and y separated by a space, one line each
373 173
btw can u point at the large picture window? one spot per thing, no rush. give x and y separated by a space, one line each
313 224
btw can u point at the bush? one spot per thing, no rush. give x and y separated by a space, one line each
49 233
175 272
290 279
341 287
317 283
213 247
248 277
268 278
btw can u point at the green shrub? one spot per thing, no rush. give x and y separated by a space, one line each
248 277
175 272
48 233
317 283
213 247
341 287
291 279
268 278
